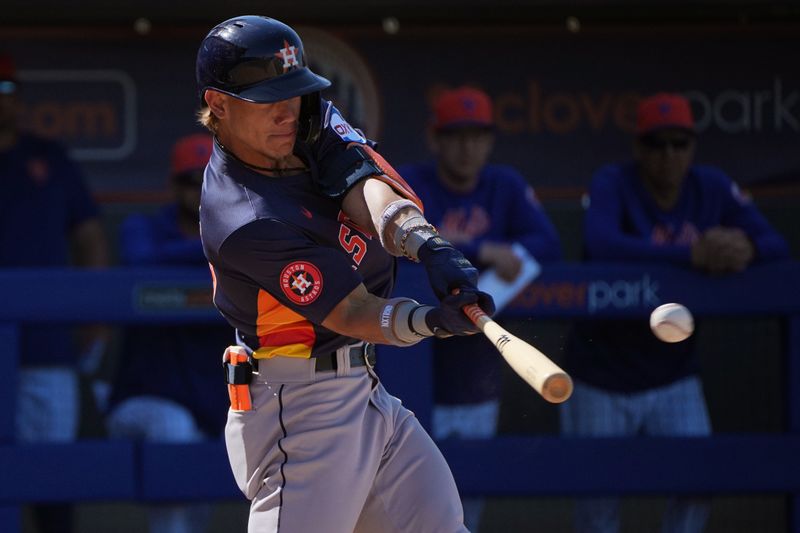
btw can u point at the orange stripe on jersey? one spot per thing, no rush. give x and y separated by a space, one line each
281 331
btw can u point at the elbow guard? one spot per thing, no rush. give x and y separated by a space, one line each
356 163
347 169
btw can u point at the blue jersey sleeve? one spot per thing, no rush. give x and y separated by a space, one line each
302 275
529 225
605 238
738 211
150 240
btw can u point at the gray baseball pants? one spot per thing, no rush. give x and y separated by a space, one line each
334 452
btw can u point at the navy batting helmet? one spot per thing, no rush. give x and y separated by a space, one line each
261 60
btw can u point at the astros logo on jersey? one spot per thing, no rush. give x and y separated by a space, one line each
301 282
289 55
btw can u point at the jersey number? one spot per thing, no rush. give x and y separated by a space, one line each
352 244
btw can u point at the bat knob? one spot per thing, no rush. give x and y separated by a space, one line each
557 388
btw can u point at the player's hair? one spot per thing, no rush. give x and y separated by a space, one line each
208 119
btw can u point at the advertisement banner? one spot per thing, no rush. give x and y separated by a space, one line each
564 103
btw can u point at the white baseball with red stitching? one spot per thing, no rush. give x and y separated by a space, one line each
672 322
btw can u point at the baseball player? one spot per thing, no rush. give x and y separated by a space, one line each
483 208
48 219
172 406
298 213
662 207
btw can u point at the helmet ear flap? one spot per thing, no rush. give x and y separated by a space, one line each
310 121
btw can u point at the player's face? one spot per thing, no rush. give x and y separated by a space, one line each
257 131
462 153
664 158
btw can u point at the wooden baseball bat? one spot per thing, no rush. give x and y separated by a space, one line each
546 377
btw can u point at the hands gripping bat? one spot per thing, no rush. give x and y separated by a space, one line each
547 378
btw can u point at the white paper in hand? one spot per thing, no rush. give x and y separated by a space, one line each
504 291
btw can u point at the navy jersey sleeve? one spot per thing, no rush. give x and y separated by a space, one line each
604 236
308 278
738 211
529 225
137 240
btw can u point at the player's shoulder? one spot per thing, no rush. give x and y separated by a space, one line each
710 175
503 175
614 174
716 183
266 233
614 170
268 228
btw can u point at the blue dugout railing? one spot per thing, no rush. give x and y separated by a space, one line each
508 465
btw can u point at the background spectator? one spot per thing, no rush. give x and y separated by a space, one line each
169 385
658 208
483 209
47 219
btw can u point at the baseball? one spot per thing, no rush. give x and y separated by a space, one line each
391 25
671 322
573 24
142 26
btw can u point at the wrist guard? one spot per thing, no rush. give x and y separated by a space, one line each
403 322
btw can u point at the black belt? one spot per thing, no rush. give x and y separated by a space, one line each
363 354
359 356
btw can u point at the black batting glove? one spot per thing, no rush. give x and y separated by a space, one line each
449 318
447 268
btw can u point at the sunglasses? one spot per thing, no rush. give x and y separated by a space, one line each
660 143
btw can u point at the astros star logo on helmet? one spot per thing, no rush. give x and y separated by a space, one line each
301 282
289 55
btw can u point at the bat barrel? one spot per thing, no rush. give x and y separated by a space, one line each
557 388
547 378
